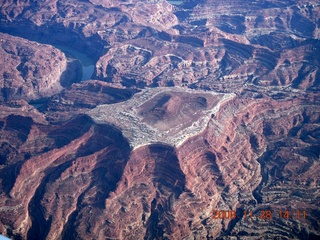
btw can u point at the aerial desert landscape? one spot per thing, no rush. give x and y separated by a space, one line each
191 119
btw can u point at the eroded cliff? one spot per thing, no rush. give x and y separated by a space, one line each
192 109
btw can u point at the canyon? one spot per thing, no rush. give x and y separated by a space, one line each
138 120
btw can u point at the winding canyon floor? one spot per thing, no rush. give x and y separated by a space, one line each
160 120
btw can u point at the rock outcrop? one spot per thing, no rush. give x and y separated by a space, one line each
29 70
193 109
82 180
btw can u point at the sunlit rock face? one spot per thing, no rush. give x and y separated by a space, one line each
192 107
29 70
85 175
227 43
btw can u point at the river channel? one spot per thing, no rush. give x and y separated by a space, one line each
86 62
177 3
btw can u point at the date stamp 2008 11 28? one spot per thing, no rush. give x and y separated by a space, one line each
261 214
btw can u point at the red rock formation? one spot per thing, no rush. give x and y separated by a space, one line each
224 45
30 70
78 145
86 186
64 176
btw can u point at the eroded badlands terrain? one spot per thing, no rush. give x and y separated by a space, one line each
191 108
167 115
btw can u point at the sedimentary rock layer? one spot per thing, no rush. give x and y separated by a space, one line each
199 44
29 70
81 180
203 107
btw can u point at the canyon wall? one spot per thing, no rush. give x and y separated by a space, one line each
193 109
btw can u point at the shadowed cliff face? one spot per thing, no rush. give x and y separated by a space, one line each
83 157
144 198
214 46
208 105
82 180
